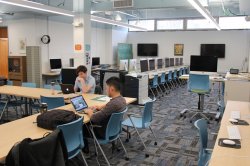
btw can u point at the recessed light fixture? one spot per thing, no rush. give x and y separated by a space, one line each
38 6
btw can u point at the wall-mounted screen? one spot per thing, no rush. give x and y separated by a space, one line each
217 50
147 49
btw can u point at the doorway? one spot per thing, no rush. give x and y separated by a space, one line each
4 51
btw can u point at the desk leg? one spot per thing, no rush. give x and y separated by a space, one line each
26 111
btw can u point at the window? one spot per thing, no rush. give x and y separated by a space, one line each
149 24
169 24
199 24
233 23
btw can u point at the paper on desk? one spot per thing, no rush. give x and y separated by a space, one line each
102 98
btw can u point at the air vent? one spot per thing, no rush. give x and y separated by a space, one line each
123 4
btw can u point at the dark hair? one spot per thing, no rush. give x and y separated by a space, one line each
81 68
114 82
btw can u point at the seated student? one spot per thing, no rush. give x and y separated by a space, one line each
84 82
116 104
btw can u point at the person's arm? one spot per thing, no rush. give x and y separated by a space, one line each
85 88
76 86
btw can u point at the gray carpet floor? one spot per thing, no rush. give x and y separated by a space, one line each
177 138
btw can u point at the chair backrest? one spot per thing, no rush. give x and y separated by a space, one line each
170 73
73 136
198 82
53 102
9 82
201 125
184 70
29 84
147 115
163 77
48 86
180 72
155 80
114 126
175 73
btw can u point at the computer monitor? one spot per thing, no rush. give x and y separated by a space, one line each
151 64
144 65
124 64
177 62
171 62
203 63
55 64
166 62
181 61
132 65
95 61
159 63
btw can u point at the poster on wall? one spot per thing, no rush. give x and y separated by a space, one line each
178 49
22 45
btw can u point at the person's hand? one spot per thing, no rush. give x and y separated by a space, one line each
93 107
89 112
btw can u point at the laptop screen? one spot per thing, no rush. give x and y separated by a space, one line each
79 103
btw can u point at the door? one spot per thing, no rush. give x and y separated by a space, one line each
4 49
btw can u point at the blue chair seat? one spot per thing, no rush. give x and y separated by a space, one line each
137 122
199 91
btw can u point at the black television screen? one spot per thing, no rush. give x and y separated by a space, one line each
147 49
166 62
203 63
159 63
144 65
151 64
217 50
95 61
55 63
171 62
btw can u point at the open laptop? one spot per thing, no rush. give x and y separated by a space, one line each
79 103
67 88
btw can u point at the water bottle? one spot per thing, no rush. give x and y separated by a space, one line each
52 88
43 108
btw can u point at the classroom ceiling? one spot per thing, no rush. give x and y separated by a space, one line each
141 9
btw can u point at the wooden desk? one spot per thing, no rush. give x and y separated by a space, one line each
228 156
15 131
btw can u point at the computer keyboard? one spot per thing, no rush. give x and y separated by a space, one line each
233 132
235 114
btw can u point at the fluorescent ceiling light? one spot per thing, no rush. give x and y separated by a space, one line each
131 15
197 5
38 6
112 22
118 17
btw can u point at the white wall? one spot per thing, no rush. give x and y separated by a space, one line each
237 44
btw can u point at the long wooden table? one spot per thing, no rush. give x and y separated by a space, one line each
15 131
229 156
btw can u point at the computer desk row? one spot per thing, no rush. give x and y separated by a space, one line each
20 129
158 72
231 156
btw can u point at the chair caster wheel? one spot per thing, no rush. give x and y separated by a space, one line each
208 122
126 158
181 115
190 121
146 155
155 143
118 150
127 140
184 116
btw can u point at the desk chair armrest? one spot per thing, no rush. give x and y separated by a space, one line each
134 115
209 150
214 133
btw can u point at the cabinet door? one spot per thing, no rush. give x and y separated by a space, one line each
4 57
237 90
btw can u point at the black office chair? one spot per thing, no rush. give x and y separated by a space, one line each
98 90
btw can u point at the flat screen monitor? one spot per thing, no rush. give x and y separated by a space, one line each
177 63
55 64
217 50
159 63
95 61
147 49
203 63
144 65
151 64
124 65
181 61
167 62
171 62
132 65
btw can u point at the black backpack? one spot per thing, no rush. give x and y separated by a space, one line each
51 119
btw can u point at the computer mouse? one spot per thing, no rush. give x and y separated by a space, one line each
233 120
228 142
